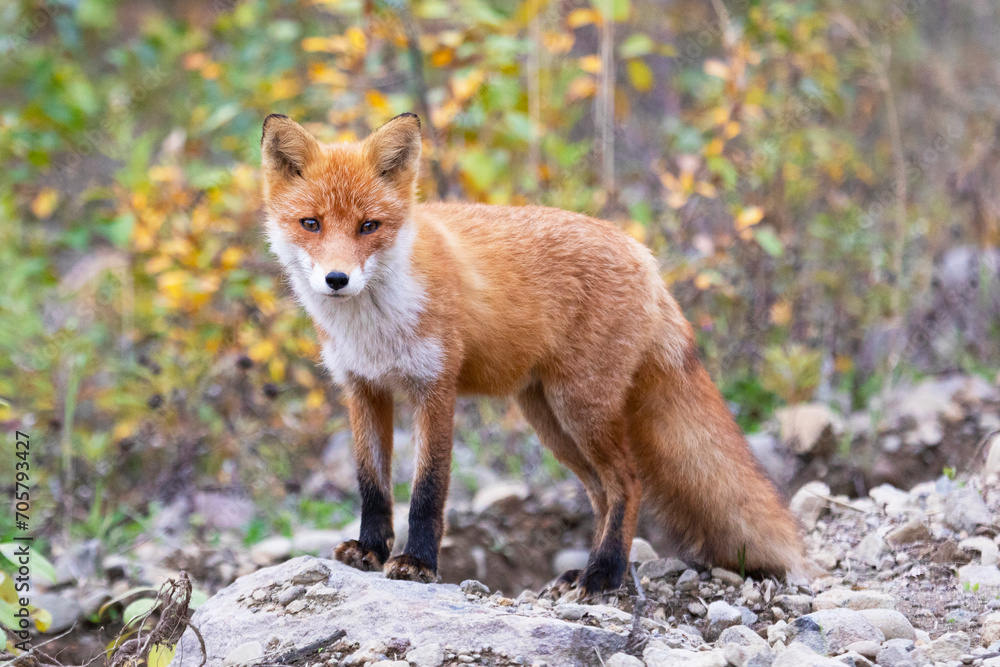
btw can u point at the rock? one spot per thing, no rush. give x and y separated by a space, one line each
641 552
78 563
892 500
991 628
429 655
979 575
894 656
855 600
316 542
869 551
688 581
795 605
499 496
868 649
800 655
623 660
473 587
661 567
721 615
949 646
570 612
964 509
807 426
374 610
988 552
914 530
271 550
727 577
674 657
66 611
740 635
831 631
570 559
809 502
289 594
244 654
391 663
991 471
854 659
891 623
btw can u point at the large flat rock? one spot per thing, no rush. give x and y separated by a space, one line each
307 599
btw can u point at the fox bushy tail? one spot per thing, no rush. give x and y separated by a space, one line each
700 475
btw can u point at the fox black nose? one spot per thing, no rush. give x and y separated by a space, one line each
337 280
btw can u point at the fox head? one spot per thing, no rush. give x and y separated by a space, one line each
336 213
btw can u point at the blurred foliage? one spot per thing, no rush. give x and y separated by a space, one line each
145 333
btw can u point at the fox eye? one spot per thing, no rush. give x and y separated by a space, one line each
310 224
369 226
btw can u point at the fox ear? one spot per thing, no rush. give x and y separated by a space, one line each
285 147
394 149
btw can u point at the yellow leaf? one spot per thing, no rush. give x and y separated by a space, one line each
581 88
320 73
284 88
442 57
715 147
583 16
749 217
706 189
640 75
314 44
276 368
558 42
464 88
261 351
719 115
732 129
636 230
717 68
781 313
703 281
843 363
231 257
45 203
211 71
160 655
315 399
591 64
377 101
42 618
356 38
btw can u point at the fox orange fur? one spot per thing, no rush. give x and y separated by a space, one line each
561 311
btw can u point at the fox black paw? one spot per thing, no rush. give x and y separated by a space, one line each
409 568
599 578
563 584
353 553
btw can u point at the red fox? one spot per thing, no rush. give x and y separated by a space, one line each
563 312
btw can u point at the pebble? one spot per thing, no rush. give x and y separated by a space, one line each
949 646
892 624
623 660
473 587
271 550
721 615
831 631
991 628
688 581
243 654
428 655
641 552
290 594
727 577
662 567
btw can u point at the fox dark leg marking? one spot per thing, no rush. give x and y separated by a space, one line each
434 426
606 565
371 423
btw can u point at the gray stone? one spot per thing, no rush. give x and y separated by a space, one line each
641 551
740 635
809 502
894 656
964 509
623 660
721 615
66 611
428 655
891 623
662 567
991 628
869 551
868 649
499 496
688 581
375 610
316 542
949 646
914 530
979 575
727 577
570 612
289 594
673 657
800 655
831 631
795 605
473 587
988 552
570 559
244 654
271 550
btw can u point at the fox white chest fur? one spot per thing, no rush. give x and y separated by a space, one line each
371 335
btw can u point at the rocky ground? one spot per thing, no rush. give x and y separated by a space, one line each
910 568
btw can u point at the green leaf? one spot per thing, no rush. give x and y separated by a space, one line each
138 609
769 241
620 9
160 655
198 598
636 46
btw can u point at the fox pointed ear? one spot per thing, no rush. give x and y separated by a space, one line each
285 147
394 149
